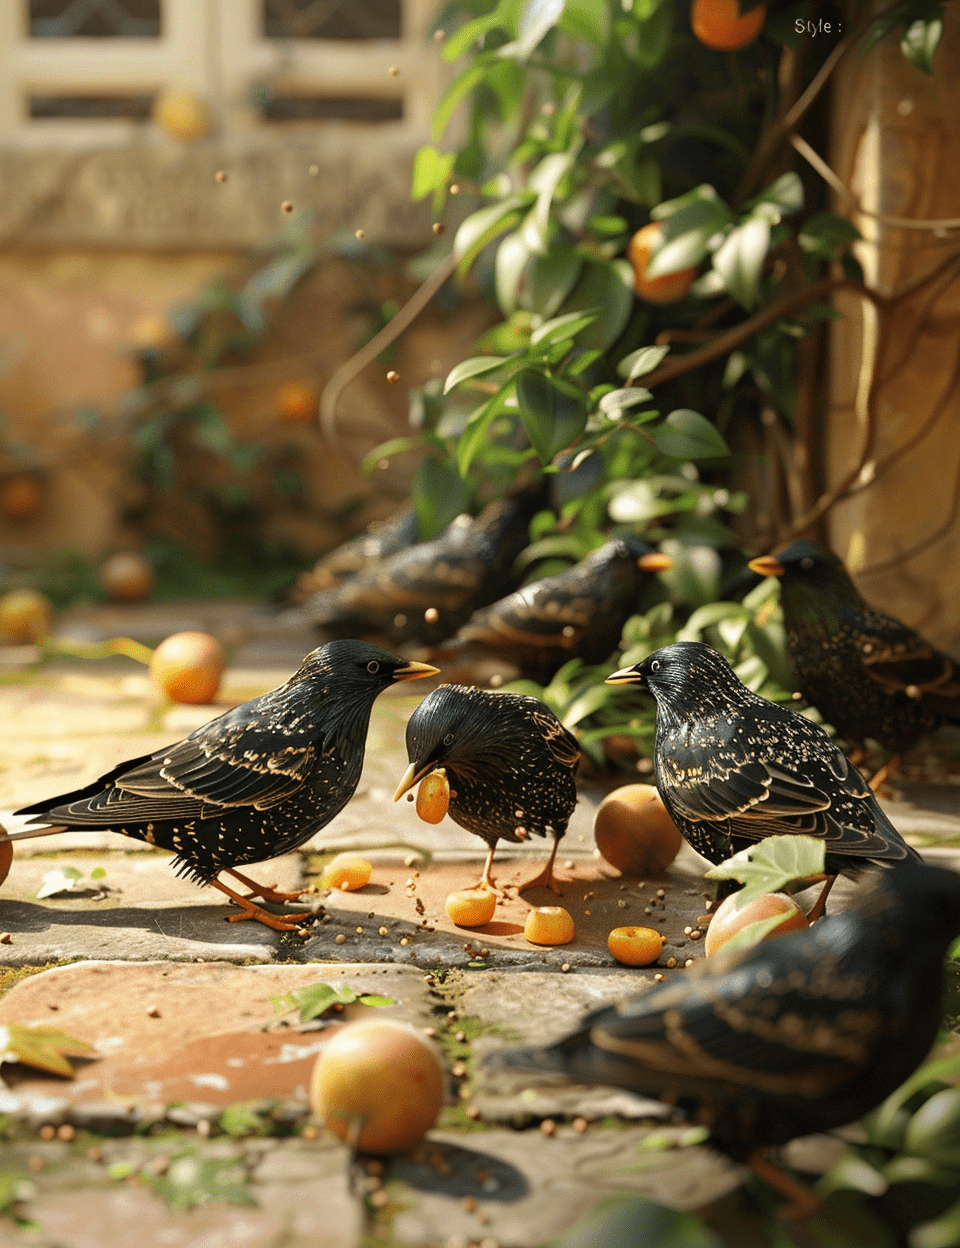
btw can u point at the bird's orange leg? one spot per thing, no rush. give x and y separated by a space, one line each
802 1202
820 905
267 891
545 878
889 768
486 879
279 922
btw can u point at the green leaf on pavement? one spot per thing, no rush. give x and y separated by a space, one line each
777 864
41 1047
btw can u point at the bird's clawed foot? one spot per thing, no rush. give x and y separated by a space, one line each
268 892
279 922
545 878
877 781
820 905
801 1201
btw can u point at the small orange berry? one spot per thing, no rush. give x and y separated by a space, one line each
347 872
667 288
720 24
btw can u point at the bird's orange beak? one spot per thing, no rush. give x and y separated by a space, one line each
654 562
625 676
411 777
766 565
415 671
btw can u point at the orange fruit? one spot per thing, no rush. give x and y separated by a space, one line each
346 872
188 666
433 796
297 402
720 24
728 920
634 833
635 946
127 576
549 925
379 1083
182 114
25 615
21 497
665 289
6 858
150 333
471 907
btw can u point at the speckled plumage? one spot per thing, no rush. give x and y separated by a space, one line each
383 538
256 781
580 612
869 675
733 768
510 762
797 1035
468 565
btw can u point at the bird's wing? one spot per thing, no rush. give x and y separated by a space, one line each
900 661
561 743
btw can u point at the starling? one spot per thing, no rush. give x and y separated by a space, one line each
578 613
511 765
424 593
794 1036
868 675
253 783
733 768
382 538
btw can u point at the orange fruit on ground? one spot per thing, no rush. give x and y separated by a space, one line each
21 497
634 833
549 925
6 858
127 576
727 920
151 332
347 872
182 114
635 946
188 666
381 1077
720 24
667 288
297 402
433 796
471 907
25 615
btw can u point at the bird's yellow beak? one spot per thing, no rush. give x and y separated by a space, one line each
411 777
415 671
625 676
766 565
654 562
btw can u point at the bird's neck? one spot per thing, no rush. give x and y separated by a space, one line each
817 609
704 708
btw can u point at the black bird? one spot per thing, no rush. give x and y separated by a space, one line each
868 674
794 1036
382 538
510 763
733 768
580 612
424 593
253 783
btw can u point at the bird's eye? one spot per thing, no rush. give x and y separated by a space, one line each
806 563
373 667
448 739
655 665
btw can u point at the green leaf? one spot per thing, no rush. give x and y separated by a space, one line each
934 1130
616 402
544 180
607 285
553 413
98 873
374 1000
629 1221
686 434
786 193
483 226
587 19
463 39
513 256
752 934
560 328
551 278
40 1047
474 435
739 259
775 865
655 35
537 17
457 90
440 494
472 368
920 41
191 1180
639 363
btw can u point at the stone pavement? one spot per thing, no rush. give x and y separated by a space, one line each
200 1069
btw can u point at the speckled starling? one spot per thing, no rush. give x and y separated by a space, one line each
794 1036
870 676
424 593
510 763
733 768
253 783
383 538
577 613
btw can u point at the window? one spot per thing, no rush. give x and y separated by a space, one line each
94 19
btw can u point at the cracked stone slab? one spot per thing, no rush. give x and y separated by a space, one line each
146 912
180 1032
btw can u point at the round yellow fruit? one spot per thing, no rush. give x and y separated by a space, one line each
379 1084
347 872
433 796
549 925
667 288
25 615
182 114
297 402
21 497
127 576
471 907
188 667
635 946
728 920
634 833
